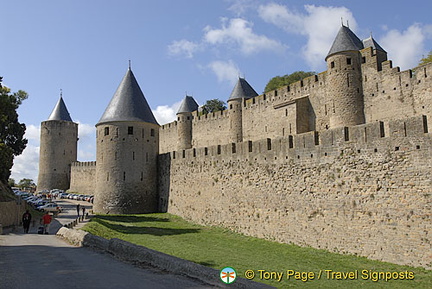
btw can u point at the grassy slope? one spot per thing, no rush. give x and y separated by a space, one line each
217 248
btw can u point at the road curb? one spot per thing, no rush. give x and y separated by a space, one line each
141 255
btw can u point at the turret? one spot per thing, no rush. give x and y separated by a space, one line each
241 91
344 80
58 149
379 55
184 120
126 153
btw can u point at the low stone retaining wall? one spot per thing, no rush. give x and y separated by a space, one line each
11 213
141 255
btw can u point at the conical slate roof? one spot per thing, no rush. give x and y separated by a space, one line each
188 105
370 42
128 103
60 112
242 90
345 40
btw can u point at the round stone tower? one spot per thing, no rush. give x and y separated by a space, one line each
58 149
344 80
184 120
126 153
241 91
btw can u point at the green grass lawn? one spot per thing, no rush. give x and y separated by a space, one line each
217 248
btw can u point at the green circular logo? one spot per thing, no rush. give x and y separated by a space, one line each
228 275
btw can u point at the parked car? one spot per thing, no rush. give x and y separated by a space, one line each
50 207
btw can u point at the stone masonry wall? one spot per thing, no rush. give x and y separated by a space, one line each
83 178
362 190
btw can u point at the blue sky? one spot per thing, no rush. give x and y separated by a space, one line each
177 47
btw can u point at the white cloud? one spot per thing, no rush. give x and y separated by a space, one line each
238 32
183 47
239 7
225 71
86 130
165 114
407 47
26 165
320 37
32 132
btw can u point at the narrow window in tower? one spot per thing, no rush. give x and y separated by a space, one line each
363 59
142 176
230 106
107 176
133 156
124 176
152 132
348 61
130 129
106 130
332 65
286 112
64 152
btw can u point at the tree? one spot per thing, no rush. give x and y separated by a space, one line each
12 141
213 105
427 59
11 182
26 183
280 81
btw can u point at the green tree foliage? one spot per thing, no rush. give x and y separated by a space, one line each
280 81
427 59
26 183
12 141
213 105
11 182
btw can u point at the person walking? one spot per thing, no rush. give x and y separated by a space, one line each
46 221
83 212
26 219
78 209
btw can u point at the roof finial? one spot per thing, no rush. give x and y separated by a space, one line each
61 92
130 64
347 23
342 21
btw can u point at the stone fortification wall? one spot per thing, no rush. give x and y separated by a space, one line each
168 137
362 190
207 129
11 213
83 178
390 93
210 129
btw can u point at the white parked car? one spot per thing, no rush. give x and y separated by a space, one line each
50 207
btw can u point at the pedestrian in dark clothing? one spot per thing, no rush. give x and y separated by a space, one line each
26 219
78 209
83 210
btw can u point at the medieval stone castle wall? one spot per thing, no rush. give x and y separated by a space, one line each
341 160
361 190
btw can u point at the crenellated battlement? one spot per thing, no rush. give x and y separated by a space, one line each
373 139
84 164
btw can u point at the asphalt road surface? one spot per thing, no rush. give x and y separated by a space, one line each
32 261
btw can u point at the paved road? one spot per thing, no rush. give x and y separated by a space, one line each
32 261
